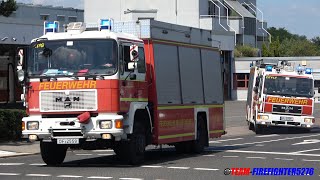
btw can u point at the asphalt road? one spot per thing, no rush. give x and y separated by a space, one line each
278 148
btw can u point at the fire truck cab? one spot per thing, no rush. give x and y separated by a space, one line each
121 85
279 94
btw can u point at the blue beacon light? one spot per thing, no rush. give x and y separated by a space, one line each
51 27
268 68
105 24
308 71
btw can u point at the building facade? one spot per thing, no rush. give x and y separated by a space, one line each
231 21
23 25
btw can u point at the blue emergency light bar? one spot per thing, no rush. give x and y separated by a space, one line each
308 71
105 24
269 68
52 27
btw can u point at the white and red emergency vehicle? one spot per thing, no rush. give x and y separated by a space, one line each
122 85
280 94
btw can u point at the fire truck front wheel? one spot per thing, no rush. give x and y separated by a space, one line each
52 154
258 129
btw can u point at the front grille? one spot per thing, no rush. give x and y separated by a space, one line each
68 100
286 109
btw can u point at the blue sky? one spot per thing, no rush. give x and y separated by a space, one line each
298 16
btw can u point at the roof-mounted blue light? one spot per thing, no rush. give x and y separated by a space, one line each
269 68
105 24
52 27
308 71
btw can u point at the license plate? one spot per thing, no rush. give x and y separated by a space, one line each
285 118
67 141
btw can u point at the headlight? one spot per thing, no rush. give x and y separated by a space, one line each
107 124
308 120
33 125
263 117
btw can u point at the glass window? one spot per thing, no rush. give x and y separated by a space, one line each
72 19
241 80
73 57
141 63
44 17
61 18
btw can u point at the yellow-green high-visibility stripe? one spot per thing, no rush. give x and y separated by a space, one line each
133 99
216 131
175 135
190 107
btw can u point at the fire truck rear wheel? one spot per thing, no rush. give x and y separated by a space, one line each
52 154
202 136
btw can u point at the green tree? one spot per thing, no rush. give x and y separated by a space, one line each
245 51
282 33
297 47
316 41
265 50
6 8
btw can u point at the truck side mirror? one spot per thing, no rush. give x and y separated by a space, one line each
318 89
134 55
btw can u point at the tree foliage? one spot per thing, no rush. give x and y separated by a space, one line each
6 8
245 51
285 43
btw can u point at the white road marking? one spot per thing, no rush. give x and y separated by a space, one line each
224 140
39 175
84 154
6 152
271 135
9 174
255 157
38 164
103 150
308 141
131 178
209 155
306 150
174 167
230 156
152 166
284 159
11 164
260 145
311 160
99 177
68 176
275 153
274 140
105 154
205 169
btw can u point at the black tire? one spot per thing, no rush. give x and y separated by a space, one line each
133 150
250 126
202 137
258 129
52 154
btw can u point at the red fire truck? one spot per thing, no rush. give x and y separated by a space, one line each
280 94
121 85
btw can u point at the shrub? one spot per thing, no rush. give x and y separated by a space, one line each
10 123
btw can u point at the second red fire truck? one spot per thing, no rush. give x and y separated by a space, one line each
280 94
122 85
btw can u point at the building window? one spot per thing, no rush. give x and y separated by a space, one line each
44 17
61 18
240 80
72 19
211 9
316 83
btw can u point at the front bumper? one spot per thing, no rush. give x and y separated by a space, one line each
55 128
285 120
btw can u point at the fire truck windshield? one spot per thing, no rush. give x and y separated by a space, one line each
73 58
288 86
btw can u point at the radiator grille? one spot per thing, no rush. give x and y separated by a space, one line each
68 100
